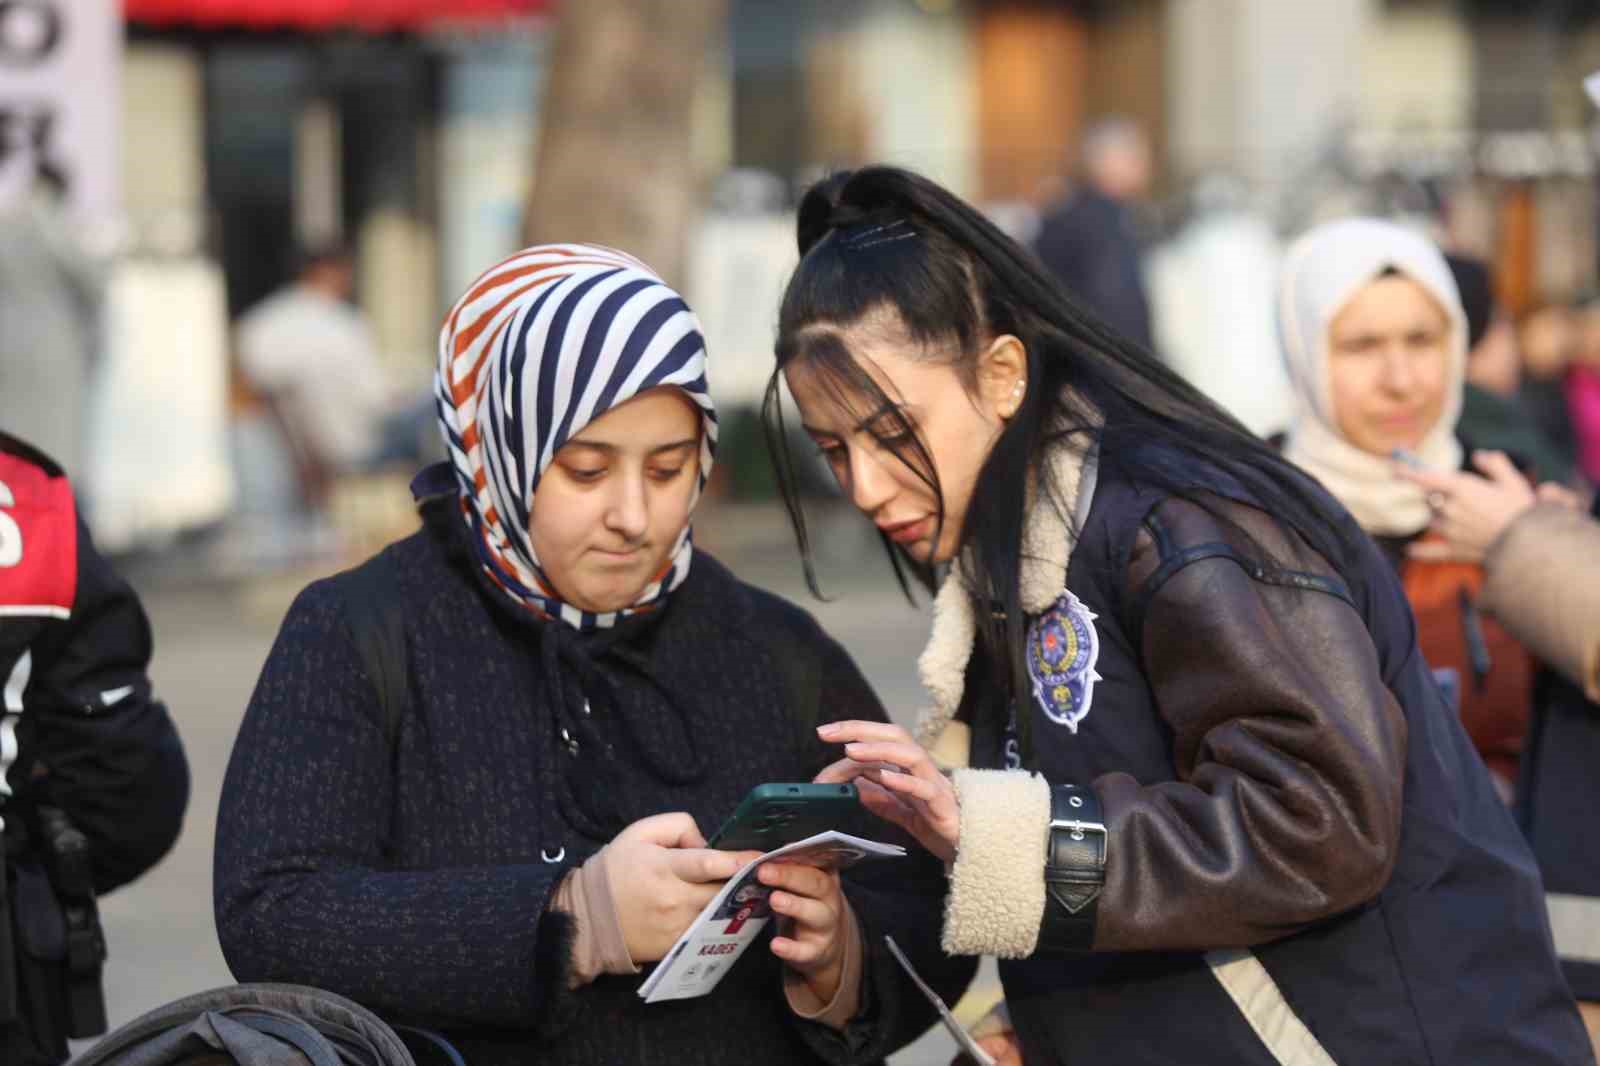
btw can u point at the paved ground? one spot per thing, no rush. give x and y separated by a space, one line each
211 639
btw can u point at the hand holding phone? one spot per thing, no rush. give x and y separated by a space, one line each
661 876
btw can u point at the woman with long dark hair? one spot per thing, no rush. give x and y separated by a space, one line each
1212 807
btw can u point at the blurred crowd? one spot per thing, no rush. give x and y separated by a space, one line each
315 411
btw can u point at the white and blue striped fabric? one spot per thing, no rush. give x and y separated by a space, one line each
540 346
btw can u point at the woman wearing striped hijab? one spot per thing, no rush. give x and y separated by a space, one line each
586 693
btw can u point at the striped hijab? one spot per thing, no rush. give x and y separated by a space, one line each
539 347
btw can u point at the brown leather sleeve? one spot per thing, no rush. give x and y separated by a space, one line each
1290 749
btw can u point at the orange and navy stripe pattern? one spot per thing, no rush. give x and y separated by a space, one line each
538 347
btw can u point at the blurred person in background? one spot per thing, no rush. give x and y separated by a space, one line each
1548 341
1090 240
1375 338
1541 558
1210 807
85 748
1211 289
312 354
1491 416
51 293
1583 392
582 692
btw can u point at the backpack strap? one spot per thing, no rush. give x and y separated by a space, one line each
375 621
299 1033
792 646
376 624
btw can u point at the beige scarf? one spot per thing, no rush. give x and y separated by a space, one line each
1322 272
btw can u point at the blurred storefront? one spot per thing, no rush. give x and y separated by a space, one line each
251 129
408 128
402 127
985 95
1468 115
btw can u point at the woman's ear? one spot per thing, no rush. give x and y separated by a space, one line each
1003 376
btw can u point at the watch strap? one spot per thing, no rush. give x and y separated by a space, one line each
1074 869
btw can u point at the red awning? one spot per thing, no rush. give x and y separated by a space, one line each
324 14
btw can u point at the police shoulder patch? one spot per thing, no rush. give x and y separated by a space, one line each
1062 650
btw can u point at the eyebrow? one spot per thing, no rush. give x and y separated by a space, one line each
890 408
612 449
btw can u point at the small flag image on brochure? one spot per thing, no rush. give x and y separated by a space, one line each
735 917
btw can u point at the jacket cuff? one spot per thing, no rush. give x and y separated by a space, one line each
598 945
560 1004
846 1001
996 899
1555 617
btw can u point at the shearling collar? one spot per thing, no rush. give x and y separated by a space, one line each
1048 538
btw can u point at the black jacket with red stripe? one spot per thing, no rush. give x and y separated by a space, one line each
79 731
79 726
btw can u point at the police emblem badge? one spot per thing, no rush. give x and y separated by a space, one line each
1063 648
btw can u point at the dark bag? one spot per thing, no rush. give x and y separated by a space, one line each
51 943
254 1025
376 623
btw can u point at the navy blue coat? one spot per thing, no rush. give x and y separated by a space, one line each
415 881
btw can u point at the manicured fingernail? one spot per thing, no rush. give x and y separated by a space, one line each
829 729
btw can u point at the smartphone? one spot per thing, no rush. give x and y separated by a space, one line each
773 815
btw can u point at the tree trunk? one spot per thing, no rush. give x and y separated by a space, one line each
615 162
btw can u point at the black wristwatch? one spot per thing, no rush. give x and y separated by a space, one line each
1074 869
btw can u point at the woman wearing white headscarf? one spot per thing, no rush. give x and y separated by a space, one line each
1375 339
585 692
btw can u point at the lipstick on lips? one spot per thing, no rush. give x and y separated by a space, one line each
908 532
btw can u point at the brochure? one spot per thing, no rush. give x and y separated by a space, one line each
711 945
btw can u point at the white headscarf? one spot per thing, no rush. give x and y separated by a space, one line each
1322 273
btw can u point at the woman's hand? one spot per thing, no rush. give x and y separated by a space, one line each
1469 511
897 781
811 936
662 876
